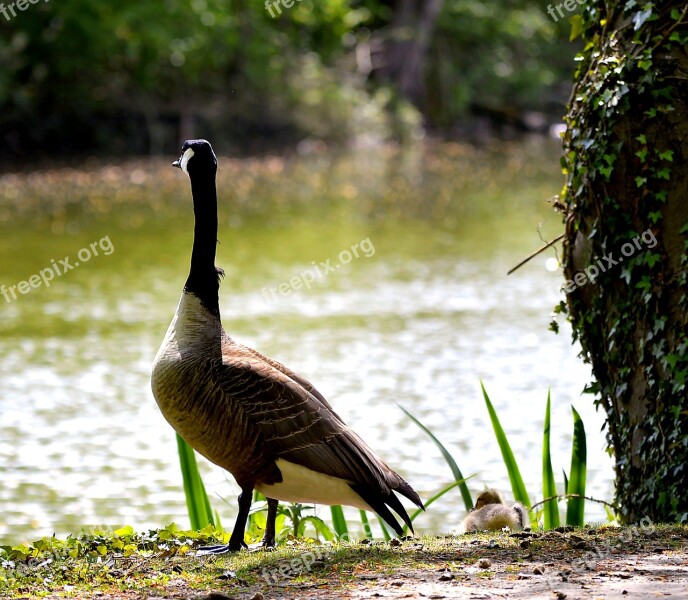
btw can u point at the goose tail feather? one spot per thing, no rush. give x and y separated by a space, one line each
381 502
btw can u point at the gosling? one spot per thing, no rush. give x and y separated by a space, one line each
490 513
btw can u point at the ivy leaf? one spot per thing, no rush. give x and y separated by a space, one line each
640 17
652 258
644 285
576 27
667 155
654 217
664 173
640 181
606 171
645 64
642 139
626 275
642 154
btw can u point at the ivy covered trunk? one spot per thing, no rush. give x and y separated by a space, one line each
626 242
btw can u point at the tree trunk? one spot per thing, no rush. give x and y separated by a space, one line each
412 28
626 244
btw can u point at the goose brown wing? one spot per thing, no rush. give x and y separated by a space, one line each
296 425
302 381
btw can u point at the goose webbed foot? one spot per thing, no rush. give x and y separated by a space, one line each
221 548
236 541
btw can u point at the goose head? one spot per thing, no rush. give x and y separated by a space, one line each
197 158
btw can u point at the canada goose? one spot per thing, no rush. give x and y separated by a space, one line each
490 513
266 425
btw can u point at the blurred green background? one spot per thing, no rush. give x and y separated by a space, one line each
136 77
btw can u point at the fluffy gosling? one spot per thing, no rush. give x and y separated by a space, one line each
490 513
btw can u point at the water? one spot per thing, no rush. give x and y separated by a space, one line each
417 319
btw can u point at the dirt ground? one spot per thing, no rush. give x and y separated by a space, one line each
560 566
592 562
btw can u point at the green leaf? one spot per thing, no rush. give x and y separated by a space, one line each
197 501
319 525
575 511
385 531
667 155
549 488
456 472
652 258
606 171
640 17
517 485
126 530
366 524
610 159
339 522
576 27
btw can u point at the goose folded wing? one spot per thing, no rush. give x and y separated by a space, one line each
302 381
296 425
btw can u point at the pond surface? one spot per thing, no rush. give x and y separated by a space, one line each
417 319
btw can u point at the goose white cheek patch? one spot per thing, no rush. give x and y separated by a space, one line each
188 153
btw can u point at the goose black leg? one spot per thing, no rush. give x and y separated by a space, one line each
236 541
269 537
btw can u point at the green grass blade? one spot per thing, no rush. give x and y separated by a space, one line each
197 503
366 524
575 509
517 485
566 482
549 488
456 472
430 501
385 531
339 522
218 523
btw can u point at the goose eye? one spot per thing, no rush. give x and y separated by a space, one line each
188 153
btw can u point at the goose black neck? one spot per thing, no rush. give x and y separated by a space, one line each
203 279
